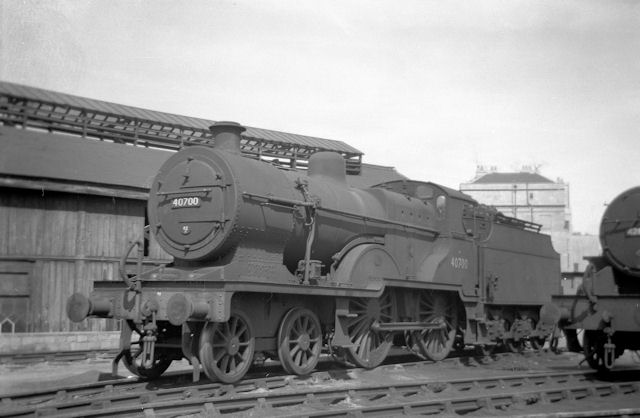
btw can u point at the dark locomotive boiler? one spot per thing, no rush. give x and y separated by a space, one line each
287 265
606 309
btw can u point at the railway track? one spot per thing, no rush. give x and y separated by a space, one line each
322 396
54 356
327 393
255 380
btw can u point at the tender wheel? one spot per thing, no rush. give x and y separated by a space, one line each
371 347
299 341
515 346
537 343
226 348
133 359
440 309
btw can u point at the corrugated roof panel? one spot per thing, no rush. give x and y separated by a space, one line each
172 119
44 96
84 103
135 113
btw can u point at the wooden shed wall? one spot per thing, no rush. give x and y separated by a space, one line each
68 240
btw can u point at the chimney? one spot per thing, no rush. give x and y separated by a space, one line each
226 136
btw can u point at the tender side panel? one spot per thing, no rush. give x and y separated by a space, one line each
520 267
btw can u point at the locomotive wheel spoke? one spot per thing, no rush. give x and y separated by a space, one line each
440 309
299 341
133 359
370 347
360 327
226 349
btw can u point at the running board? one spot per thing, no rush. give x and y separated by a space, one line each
405 326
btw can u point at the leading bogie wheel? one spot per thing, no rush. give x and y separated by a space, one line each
370 347
299 341
226 348
133 356
439 309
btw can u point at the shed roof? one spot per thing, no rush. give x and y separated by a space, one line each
125 170
54 111
509 178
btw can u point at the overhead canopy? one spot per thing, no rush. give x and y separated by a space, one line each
57 112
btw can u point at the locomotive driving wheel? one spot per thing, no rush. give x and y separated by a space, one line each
439 309
370 347
299 341
226 348
133 359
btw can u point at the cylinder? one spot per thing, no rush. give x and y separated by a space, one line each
181 308
79 307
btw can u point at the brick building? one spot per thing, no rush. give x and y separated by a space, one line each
530 196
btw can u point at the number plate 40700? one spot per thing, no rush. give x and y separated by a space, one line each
185 202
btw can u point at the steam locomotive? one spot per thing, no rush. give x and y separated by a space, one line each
606 309
288 265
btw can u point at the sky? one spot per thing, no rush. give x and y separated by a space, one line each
432 88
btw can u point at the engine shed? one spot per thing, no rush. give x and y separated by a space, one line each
74 180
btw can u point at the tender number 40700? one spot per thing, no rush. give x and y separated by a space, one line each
459 263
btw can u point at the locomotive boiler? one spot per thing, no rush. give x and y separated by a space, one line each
606 308
287 265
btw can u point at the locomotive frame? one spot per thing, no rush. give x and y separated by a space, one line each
276 264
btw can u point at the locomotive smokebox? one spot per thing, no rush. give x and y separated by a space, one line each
227 136
620 232
202 203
